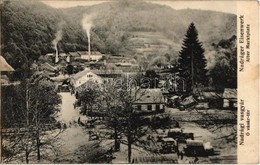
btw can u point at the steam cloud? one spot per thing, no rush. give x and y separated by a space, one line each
87 24
58 37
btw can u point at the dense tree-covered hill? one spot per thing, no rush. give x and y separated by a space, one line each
29 27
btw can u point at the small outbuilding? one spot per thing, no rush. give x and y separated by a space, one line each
230 98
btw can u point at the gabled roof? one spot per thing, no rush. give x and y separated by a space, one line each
74 54
230 93
4 66
81 74
210 95
95 53
48 66
82 52
148 96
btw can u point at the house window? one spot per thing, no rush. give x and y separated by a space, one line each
149 107
157 107
139 107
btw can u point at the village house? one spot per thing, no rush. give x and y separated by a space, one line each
210 99
48 69
149 100
85 76
5 68
230 98
65 57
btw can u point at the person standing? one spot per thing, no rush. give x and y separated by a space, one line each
79 120
196 159
181 155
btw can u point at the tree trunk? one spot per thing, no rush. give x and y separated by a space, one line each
27 124
27 157
38 142
129 140
38 147
115 136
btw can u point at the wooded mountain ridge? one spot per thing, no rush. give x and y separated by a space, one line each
29 27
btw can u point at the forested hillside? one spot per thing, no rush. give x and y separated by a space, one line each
29 28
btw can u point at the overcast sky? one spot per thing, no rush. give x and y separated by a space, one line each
223 6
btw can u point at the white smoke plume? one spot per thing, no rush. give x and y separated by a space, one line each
87 24
58 37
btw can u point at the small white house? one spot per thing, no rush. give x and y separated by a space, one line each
85 76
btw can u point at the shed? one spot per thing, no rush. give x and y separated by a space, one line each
209 99
230 98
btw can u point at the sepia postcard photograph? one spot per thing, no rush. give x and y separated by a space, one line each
129 82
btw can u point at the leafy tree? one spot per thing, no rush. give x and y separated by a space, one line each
88 97
151 78
113 109
192 61
224 73
69 69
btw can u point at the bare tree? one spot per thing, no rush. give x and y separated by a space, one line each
32 111
215 122
119 99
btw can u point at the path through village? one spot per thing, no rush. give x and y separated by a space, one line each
73 136
74 140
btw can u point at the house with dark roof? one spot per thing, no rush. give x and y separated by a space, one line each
230 98
210 99
149 100
74 55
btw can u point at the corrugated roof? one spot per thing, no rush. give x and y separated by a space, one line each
230 93
4 66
